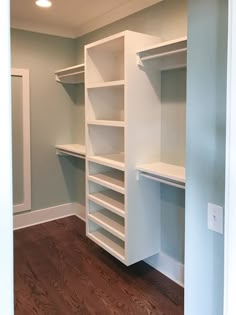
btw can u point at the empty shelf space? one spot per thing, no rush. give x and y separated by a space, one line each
168 172
112 160
109 123
76 150
113 180
110 222
108 242
110 200
71 75
106 84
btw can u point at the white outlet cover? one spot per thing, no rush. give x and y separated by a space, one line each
215 218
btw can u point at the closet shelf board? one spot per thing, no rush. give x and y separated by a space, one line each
109 242
110 222
164 170
76 150
110 180
71 75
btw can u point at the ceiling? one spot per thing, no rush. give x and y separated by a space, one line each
72 18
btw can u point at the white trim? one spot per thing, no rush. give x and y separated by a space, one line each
117 13
24 73
170 267
31 218
6 238
230 196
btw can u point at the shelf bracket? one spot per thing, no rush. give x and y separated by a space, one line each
162 180
139 60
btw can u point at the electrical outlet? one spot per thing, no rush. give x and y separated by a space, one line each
215 218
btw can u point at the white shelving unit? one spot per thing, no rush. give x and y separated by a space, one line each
120 109
76 150
168 55
71 75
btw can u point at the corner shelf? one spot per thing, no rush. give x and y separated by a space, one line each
71 75
76 150
168 55
165 173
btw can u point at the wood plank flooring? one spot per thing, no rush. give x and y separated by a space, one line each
58 271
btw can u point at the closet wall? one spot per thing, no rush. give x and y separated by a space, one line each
53 112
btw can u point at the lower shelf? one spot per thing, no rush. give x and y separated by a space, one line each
110 222
110 200
109 242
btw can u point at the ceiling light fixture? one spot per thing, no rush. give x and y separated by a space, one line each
44 3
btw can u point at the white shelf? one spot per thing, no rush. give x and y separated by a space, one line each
109 242
112 180
164 173
110 200
168 55
106 84
109 123
110 222
71 75
76 150
112 160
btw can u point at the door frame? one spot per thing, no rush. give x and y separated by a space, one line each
6 221
230 176
24 74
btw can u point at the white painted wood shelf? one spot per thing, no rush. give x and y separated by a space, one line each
109 242
71 75
168 55
106 84
118 111
166 173
108 123
76 150
112 180
115 160
110 222
109 199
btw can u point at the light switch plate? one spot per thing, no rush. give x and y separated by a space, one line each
215 218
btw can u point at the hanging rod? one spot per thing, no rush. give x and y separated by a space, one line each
168 53
157 179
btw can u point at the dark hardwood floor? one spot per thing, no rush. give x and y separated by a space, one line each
58 271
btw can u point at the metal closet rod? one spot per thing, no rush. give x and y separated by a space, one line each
157 179
163 54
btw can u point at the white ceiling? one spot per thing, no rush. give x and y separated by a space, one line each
72 18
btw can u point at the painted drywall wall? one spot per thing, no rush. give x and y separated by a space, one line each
167 20
206 106
17 140
53 111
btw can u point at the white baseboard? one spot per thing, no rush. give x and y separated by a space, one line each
170 267
79 210
31 218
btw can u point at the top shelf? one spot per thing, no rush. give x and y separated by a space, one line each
168 55
71 75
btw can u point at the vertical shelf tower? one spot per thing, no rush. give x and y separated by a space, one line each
121 108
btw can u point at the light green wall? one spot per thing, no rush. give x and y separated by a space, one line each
17 140
167 20
206 120
53 111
